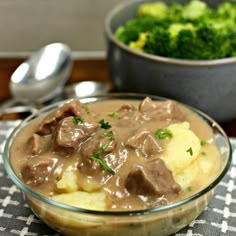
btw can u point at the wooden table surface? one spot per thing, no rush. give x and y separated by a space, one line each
83 70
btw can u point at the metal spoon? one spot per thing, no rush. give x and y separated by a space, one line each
42 77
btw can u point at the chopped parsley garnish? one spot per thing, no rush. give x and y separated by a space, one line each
77 120
190 151
103 148
189 189
114 115
104 125
203 142
97 158
203 153
109 135
57 178
162 134
87 110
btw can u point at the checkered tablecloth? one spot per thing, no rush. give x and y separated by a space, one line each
17 219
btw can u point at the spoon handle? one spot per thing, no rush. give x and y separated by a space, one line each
12 106
8 104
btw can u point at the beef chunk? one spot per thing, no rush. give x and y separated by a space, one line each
70 135
147 105
72 108
151 178
95 145
38 144
127 107
164 110
130 119
36 170
129 116
145 142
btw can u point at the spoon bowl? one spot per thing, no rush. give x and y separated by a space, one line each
43 75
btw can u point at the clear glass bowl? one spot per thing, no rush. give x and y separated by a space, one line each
162 220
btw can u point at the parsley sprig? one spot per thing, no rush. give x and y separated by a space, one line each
104 125
190 150
189 188
202 142
109 134
77 120
114 115
97 157
87 110
163 134
103 148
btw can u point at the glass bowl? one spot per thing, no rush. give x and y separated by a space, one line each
162 220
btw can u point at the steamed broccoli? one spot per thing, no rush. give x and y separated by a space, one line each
176 28
158 42
205 42
233 45
175 12
192 31
227 10
195 9
158 10
140 43
130 32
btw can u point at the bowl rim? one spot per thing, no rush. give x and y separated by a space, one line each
155 58
90 99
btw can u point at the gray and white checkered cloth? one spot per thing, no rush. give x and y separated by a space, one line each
17 219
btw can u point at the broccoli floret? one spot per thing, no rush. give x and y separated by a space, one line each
213 42
120 34
158 10
132 29
175 12
227 10
232 41
182 39
205 43
158 42
140 43
233 45
195 9
175 28
185 46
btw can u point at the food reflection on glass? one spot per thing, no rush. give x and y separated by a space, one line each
116 156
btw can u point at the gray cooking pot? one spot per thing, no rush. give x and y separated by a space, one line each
208 85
